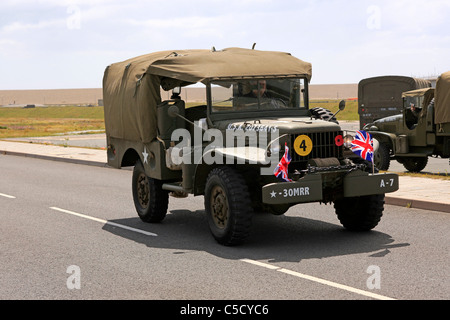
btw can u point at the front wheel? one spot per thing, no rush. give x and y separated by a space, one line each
228 206
382 157
360 213
150 200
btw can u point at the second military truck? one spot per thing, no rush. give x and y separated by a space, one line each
420 131
380 97
252 146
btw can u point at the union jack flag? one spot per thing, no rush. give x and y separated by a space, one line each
362 145
281 171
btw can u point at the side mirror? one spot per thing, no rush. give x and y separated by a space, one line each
176 90
341 107
176 93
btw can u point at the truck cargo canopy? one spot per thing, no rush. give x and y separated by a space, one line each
131 89
442 99
378 85
198 65
417 93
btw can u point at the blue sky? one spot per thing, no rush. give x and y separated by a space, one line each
50 44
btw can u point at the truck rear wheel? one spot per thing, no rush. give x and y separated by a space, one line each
360 213
228 206
150 200
416 164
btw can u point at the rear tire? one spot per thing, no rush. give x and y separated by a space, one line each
360 213
416 164
150 200
228 206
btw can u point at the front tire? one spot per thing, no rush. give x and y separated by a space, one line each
382 157
228 206
360 213
150 200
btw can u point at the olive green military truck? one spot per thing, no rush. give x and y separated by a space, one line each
253 124
380 97
421 131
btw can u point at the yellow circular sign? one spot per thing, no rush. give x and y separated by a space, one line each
303 145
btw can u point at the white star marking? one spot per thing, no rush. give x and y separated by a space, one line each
145 154
273 194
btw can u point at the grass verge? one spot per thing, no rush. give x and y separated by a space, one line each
48 121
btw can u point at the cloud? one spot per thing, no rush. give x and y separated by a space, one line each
9 45
27 27
416 16
345 40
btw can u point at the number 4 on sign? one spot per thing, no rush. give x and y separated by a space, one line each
303 145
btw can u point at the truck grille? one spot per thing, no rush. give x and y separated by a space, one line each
324 146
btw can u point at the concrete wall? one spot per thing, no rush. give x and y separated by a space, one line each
190 94
49 97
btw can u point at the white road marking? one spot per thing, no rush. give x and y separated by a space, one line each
105 221
257 263
7 196
318 280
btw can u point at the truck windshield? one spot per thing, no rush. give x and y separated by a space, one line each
417 102
257 94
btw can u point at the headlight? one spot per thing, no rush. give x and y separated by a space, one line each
370 127
348 141
376 145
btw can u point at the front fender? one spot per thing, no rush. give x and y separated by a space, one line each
385 137
238 155
219 156
256 157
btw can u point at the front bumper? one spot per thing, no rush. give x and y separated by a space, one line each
310 187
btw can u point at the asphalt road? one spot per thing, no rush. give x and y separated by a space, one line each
71 232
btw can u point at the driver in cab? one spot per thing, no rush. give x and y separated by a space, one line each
254 94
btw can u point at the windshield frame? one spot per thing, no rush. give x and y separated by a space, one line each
258 113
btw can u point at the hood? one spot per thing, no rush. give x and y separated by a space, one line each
284 125
397 117
382 123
